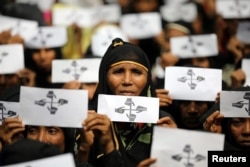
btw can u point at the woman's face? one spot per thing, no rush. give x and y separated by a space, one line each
240 128
49 135
127 79
43 58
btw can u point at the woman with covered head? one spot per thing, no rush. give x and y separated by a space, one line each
125 70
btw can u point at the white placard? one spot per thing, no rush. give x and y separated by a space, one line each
53 107
194 46
140 26
47 37
235 103
233 9
83 70
129 108
185 12
177 147
103 36
11 58
186 83
8 110
246 68
86 17
24 28
243 32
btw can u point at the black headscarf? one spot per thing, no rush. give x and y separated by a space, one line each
121 51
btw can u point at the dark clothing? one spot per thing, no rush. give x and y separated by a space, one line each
27 150
133 140
97 159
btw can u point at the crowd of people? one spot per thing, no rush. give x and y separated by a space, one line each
129 67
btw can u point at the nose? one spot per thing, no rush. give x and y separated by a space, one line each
247 127
192 107
42 137
127 78
42 53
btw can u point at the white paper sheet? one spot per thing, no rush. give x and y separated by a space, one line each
25 28
53 107
129 108
179 147
103 36
8 110
185 12
243 32
194 46
186 83
47 37
11 58
83 70
235 103
86 17
140 26
246 68
233 9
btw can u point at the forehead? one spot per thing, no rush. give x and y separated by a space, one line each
128 65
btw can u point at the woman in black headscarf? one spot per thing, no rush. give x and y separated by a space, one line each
125 70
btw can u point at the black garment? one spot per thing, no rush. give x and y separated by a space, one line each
98 159
27 150
24 11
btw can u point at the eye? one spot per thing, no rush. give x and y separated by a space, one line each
200 103
52 130
237 121
32 130
118 71
137 71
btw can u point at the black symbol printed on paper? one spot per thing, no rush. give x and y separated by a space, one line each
130 103
51 102
189 158
3 55
191 78
140 23
18 28
75 70
240 104
5 112
43 37
238 7
192 45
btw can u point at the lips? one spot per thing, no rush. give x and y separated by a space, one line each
127 93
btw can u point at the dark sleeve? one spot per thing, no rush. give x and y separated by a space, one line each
165 114
113 159
81 164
